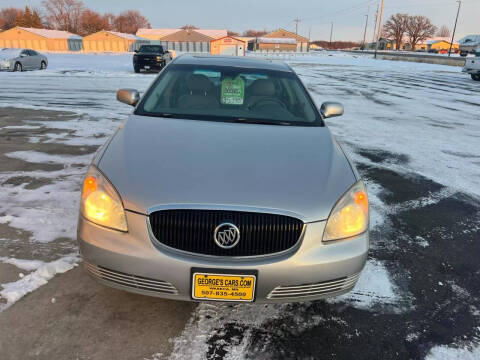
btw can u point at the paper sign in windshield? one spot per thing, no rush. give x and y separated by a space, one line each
233 91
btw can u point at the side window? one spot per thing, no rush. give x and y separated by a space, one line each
33 52
25 52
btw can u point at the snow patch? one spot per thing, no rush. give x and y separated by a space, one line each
374 288
14 291
449 353
28 265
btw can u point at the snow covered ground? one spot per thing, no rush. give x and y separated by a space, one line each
412 128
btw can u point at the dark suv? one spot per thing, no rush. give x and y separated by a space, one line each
150 58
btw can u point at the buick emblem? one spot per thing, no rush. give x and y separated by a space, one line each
226 235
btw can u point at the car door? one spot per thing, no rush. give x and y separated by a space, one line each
34 59
25 60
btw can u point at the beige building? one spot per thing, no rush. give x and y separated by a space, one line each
301 41
182 40
275 44
228 45
104 41
40 39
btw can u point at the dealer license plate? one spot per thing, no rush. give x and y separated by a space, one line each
223 287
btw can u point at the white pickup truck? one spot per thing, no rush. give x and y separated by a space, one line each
472 66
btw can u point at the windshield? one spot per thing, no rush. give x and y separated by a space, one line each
223 93
151 49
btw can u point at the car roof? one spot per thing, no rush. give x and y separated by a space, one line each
234 61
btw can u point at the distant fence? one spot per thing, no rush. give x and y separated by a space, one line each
415 57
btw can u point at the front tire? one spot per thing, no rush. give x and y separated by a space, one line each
17 67
43 65
475 77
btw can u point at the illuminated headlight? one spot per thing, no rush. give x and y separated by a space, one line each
159 58
101 203
350 216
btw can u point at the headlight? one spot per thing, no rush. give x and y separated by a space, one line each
350 216
101 203
159 58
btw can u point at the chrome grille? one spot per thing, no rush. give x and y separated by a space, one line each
193 230
316 289
133 281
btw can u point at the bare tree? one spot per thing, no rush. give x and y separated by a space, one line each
444 32
110 19
395 28
64 14
254 33
419 28
92 22
130 21
232 33
10 17
189 27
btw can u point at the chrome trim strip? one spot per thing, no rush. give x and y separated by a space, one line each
227 208
325 287
129 280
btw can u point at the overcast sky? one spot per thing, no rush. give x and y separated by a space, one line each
316 15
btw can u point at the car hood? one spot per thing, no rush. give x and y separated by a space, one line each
155 162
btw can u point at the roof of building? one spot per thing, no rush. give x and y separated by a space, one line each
52 34
234 61
124 35
161 33
229 37
280 33
434 39
187 35
265 40
213 33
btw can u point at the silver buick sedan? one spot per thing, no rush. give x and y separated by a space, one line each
225 185
22 59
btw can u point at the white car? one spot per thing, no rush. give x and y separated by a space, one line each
22 59
472 65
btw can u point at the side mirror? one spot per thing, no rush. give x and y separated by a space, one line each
331 109
128 96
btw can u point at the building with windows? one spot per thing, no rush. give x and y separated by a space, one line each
182 40
302 43
104 41
40 39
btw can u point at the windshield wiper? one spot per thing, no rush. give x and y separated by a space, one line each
261 121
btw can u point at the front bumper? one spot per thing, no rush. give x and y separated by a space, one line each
134 262
149 65
5 66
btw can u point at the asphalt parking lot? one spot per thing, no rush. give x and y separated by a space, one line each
413 131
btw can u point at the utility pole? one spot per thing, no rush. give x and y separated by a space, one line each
376 21
365 33
379 28
331 33
455 28
296 21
